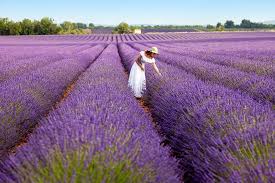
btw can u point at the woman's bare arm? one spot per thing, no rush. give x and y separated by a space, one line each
156 68
138 61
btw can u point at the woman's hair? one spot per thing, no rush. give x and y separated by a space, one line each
148 52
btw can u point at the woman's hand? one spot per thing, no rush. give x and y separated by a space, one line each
142 68
156 69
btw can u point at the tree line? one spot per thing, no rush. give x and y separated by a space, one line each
45 26
229 24
245 24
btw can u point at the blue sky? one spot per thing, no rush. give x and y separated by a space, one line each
111 12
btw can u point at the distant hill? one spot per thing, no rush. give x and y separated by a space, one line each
269 22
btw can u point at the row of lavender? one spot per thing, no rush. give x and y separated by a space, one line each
252 57
17 52
218 134
98 134
15 62
108 38
30 88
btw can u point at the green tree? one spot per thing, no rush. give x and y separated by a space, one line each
47 26
4 26
218 24
219 27
245 24
229 24
14 28
210 26
122 28
37 27
80 25
27 27
72 28
68 26
91 26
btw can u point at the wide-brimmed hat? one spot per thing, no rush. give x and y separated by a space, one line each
154 50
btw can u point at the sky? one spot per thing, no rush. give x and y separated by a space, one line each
162 12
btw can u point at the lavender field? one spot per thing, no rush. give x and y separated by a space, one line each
67 114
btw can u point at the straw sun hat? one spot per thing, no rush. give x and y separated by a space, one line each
154 50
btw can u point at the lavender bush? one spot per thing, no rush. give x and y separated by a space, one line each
26 98
98 134
257 67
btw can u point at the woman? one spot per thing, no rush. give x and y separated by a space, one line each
137 80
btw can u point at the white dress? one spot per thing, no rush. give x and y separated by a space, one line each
137 80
